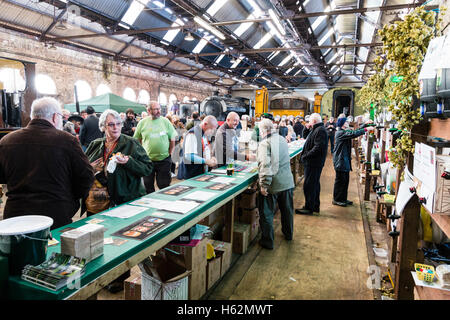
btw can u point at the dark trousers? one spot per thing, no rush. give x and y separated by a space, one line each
161 171
311 188
267 208
341 186
331 140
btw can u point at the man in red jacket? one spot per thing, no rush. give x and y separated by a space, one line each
44 168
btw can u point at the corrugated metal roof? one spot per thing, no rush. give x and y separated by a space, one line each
113 9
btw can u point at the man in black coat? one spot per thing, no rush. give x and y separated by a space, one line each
298 127
89 130
313 158
44 168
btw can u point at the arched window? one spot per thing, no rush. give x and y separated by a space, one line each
172 99
12 80
144 97
45 85
162 99
84 90
186 99
129 94
102 89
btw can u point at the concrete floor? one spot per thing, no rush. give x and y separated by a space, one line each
326 260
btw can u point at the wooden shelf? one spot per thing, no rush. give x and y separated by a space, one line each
426 293
443 221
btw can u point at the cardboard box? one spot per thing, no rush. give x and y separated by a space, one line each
193 256
225 249
213 218
248 200
133 287
163 279
241 234
197 282
251 217
213 271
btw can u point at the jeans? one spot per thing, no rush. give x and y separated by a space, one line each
267 207
161 171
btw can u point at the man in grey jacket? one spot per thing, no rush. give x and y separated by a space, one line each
276 184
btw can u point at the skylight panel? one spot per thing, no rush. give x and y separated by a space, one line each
326 36
216 7
319 20
274 55
200 45
263 41
274 31
285 60
236 63
219 58
133 12
171 34
256 9
244 26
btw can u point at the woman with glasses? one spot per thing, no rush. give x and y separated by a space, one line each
132 163
124 184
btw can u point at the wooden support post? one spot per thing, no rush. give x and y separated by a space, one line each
407 249
368 167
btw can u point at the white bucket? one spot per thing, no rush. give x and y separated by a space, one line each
24 240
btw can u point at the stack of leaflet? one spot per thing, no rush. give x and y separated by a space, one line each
56 272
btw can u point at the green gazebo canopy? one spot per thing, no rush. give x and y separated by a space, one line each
107 101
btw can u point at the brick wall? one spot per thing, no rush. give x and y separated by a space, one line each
66 66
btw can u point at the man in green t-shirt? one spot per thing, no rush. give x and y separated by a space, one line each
157 136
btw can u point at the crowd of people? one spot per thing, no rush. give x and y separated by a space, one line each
61 163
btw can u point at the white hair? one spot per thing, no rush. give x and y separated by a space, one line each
266 125
104 115
316 117
45 108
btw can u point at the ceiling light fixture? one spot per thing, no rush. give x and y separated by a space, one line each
60 26
189 37
206 25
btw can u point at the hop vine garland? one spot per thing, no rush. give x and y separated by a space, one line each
405 44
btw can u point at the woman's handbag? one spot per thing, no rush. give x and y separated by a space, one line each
98 199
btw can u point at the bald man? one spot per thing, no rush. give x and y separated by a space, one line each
157 136
198 150
227 142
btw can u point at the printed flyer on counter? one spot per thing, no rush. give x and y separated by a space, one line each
143 228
